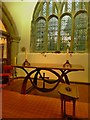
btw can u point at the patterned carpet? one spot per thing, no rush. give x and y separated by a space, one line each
37 104
16 105
17 84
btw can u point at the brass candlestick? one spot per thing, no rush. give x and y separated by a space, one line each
67 64
26 63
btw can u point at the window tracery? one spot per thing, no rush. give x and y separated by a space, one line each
61 25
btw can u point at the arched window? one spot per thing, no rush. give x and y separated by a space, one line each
80 35
40 30
58 25
52 34
65 32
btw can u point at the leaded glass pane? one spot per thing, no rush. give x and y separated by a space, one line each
69 6
52 34
83 5
77 5
50 7
65 33
44 9
80 35
40 30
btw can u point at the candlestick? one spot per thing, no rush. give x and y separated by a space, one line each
26 63
15 60
67 64
67 53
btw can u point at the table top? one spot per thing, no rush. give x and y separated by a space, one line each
73 92
52 66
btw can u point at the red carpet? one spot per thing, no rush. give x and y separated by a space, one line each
16 105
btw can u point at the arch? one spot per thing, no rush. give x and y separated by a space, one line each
12 31
79 12
8 21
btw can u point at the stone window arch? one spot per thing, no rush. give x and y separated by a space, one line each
64 24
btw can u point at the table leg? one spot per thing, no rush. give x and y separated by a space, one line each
64 108
64 75
74 101
61 107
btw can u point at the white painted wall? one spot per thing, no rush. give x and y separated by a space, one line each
75 58
22 13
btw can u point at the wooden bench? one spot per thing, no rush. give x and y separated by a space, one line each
68 93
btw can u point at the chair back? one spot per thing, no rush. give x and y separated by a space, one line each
8 69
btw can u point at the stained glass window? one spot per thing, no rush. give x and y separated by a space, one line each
80 35
52 33
59 24
65 32
40 30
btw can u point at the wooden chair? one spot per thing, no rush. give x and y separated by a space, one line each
68 93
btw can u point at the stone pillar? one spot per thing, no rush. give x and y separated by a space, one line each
14 48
